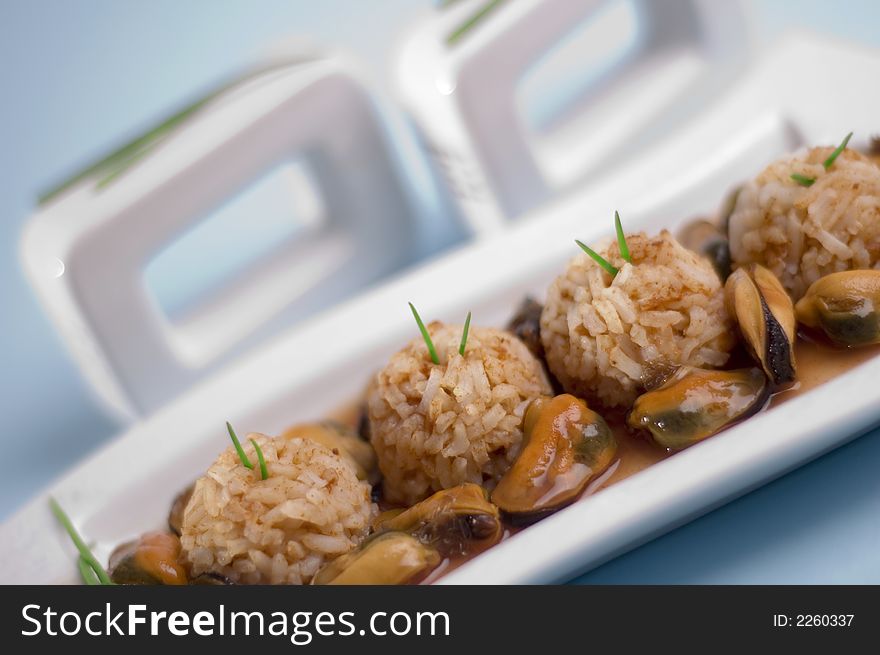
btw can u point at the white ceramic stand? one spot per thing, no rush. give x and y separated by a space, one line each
464 97
85 252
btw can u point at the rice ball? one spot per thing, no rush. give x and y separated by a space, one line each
802 233
606 339
435 426
311 509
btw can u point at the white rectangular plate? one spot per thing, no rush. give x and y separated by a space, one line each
804 92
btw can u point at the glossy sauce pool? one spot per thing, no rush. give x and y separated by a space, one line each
816 363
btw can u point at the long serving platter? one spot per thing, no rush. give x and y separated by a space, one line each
803 93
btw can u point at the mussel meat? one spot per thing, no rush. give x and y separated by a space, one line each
765 315
526 325
696 403
386 515
844 306
385 559
454 520
363 422
565 445
344 440
153 559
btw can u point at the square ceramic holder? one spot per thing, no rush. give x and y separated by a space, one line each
464 93
85 251
806 91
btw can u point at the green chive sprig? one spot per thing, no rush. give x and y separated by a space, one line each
427 337
86 572
456 35
839 149
235 442
113 165
621 240
264 472
464 334
803 180
87 561
599 259
621 246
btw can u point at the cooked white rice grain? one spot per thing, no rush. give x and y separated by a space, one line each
605 338
438 426
803 233
281 530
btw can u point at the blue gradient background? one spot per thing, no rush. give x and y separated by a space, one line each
79 76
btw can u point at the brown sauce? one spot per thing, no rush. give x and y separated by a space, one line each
817 363
635 453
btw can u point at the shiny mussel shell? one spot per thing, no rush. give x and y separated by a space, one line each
453 520
344 440
565 445
526 325
697 403
765 315
153 559
707 239
844 306
387 559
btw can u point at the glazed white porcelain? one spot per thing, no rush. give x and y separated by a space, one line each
804 92
86 252
469 98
